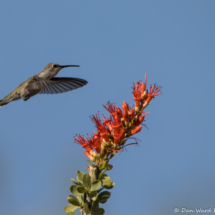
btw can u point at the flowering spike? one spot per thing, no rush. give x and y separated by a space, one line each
113 132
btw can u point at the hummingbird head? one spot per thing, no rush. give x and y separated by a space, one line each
52 70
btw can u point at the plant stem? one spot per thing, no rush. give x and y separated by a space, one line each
93 173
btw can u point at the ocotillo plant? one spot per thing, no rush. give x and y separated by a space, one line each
111 137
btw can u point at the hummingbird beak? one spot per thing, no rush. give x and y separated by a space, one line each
69 66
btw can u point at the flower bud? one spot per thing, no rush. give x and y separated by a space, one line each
125 107
139 120
90 156
136 130
93 154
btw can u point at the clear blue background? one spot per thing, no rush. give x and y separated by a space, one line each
116 43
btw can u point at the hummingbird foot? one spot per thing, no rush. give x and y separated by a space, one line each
26 98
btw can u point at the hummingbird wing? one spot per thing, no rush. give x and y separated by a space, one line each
60 85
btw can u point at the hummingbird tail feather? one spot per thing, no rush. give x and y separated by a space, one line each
2 103
9 98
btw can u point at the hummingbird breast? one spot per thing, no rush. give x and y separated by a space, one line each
46 75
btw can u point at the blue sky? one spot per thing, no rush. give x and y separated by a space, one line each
115 43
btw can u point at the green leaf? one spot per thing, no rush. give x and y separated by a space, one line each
95 185
99 211
86 209
71 208
108 187
107 183
75 182
94 195
90 162
103 176
80 176
100 190
102 173
104 196
102 165
81 200
74 190
71 213
109 167
74 201
103 201
82 190
87 181
95 205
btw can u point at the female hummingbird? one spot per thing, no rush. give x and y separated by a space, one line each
44 83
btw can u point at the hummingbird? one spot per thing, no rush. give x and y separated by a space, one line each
44 82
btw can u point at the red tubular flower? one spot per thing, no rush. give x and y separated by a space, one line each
116 118
139 120
88 148
81 140
88 155
137 95
154 91
96 120
116 127
114 111
110 107
131 113
126 118
87 144
104 132
136 130
143 88
125 109
105 136
96 143
118 137
100 127
108 123
92 155
119 112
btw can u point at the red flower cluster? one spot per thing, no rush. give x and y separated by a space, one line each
112 133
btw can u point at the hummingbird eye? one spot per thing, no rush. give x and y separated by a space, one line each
54 65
